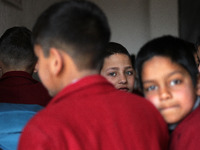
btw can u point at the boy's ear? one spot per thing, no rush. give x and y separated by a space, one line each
36 67
56 61
198 85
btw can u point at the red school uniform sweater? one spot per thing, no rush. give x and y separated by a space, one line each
91 114
20 88
186 135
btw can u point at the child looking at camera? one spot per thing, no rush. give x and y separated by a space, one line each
168 76
117 67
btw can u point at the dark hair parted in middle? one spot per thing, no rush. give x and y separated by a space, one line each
176 49
78 24
113 48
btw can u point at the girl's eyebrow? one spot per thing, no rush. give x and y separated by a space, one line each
116 68
148 81
128 67
112 68
171 74
175 72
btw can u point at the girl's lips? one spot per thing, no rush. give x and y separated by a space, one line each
124 89
169 108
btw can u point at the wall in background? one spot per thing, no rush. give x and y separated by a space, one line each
129 21
163 17
12 16
189 13
133 22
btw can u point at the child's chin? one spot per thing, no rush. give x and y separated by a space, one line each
170 116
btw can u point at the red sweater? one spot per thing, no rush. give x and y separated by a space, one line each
92 115
19 87
186 135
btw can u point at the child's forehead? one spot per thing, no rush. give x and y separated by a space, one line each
162 64
160 58
117 57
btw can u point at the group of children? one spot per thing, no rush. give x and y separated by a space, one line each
168 77
88 111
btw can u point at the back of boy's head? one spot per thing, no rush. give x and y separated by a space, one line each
111 49
176 49
78 24
16 50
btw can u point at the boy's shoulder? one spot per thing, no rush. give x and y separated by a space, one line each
134 118
186 135
190 123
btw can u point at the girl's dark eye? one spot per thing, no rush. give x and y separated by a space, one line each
129 73
151 88
175 82
113 74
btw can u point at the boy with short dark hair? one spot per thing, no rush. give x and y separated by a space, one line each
117 67
20 95
168 76
17 63
87 112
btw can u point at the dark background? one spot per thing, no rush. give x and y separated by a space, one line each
189 19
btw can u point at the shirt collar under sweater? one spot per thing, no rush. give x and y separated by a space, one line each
79 86
16 78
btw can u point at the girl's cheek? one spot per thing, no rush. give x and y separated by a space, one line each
153 99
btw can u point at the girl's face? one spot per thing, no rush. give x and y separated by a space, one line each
118 70
169 87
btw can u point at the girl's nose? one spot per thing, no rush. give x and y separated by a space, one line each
122 79
164 93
